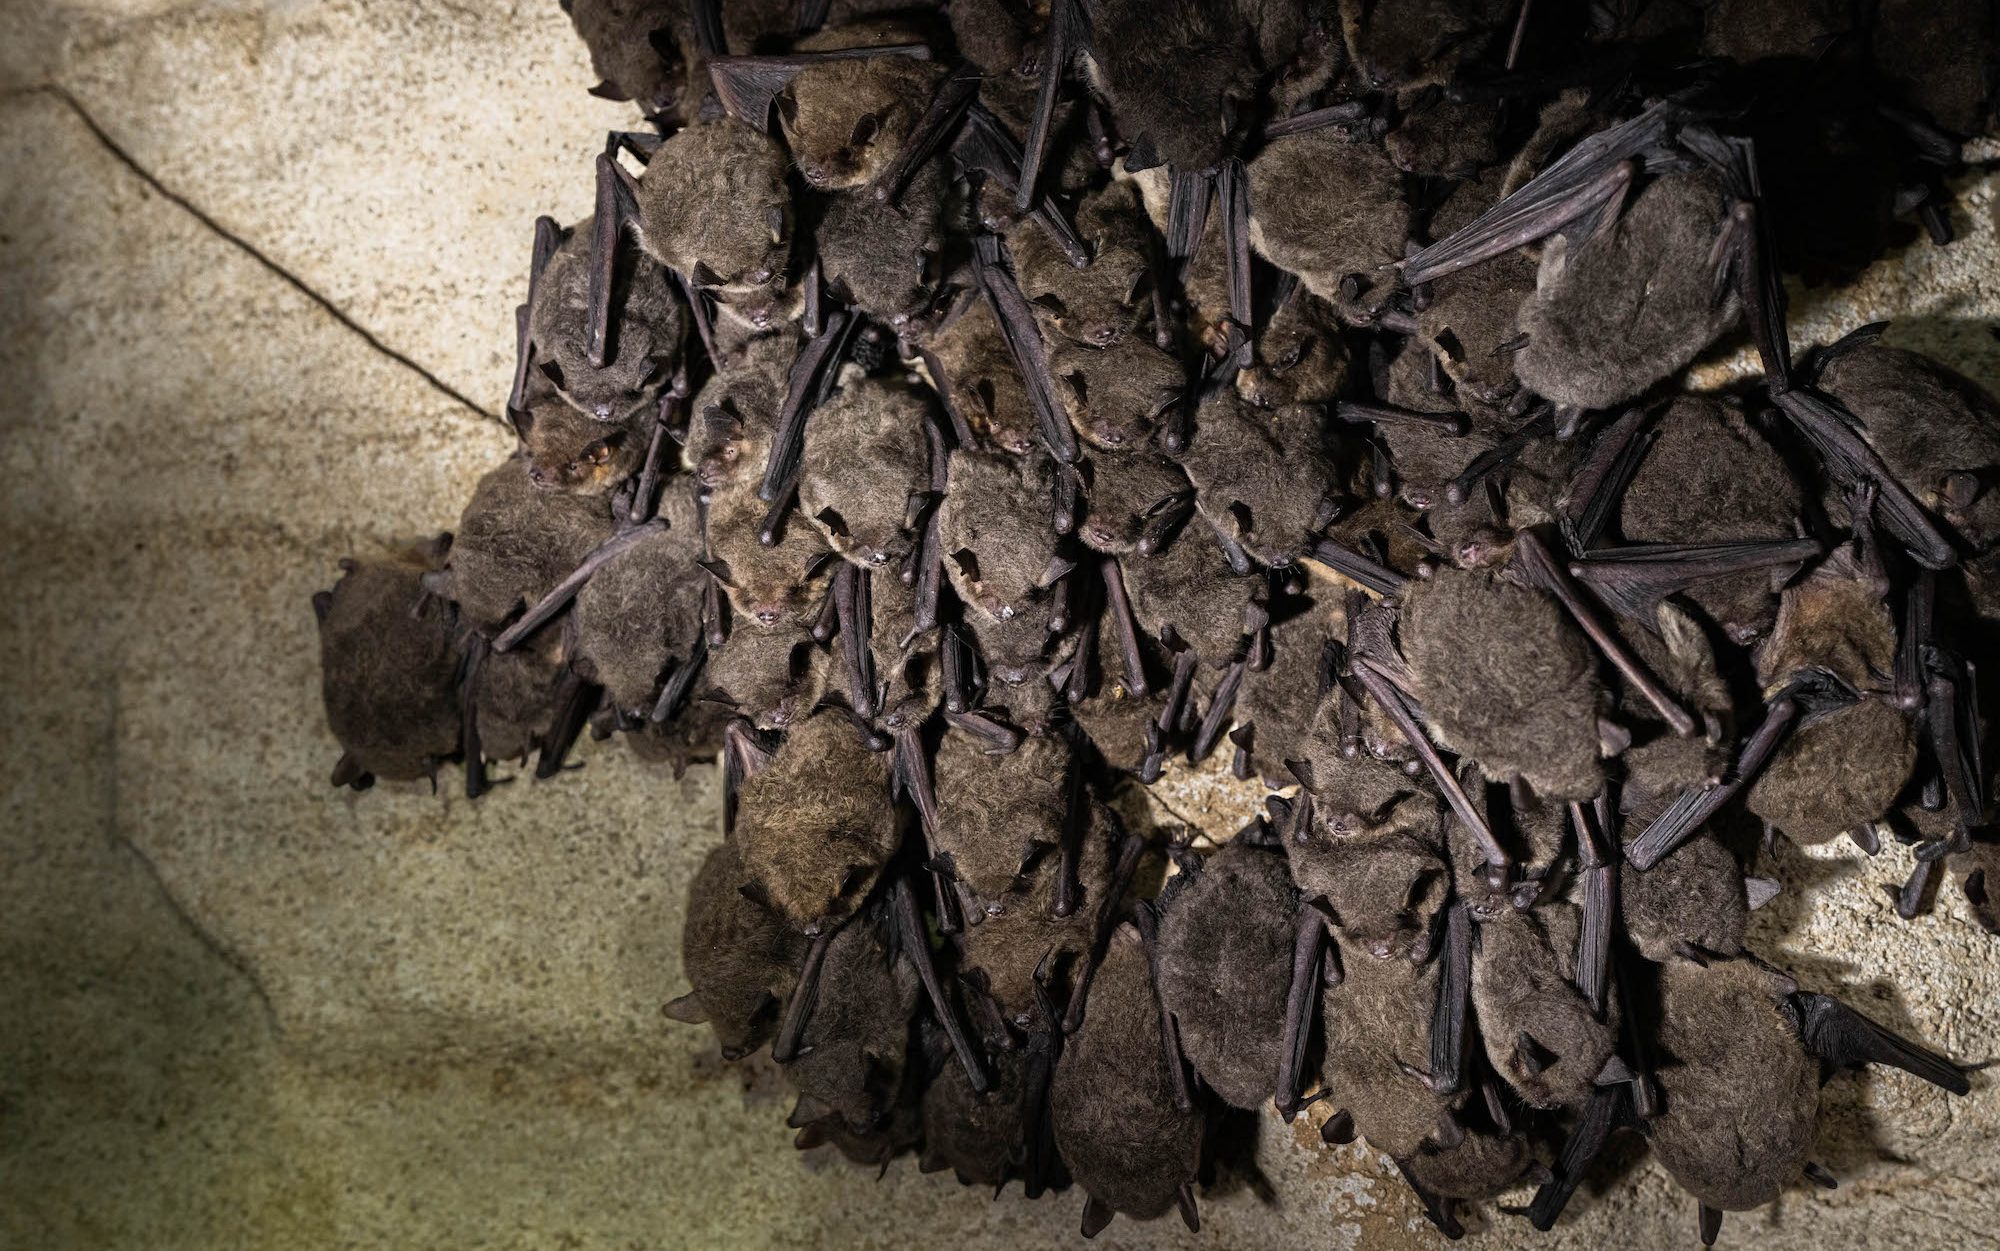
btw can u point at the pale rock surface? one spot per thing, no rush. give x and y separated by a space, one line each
241 1009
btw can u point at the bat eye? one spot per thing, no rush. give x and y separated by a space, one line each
865 131
1292 357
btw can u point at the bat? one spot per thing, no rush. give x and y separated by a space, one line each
864 478
1181 78
1098 304
741 959
390 665
610 372
1114 1112
997 813
1329 208
640 612
1132 494
1266 481
973 372
1114 397
1229 922
516 543
996 566
1298 354
814 828
1541 1035
775 677
1024 342
881 257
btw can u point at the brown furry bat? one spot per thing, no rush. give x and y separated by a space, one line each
815 826
389 665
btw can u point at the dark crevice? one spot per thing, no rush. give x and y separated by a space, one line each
436 383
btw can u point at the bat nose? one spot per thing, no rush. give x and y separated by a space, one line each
767 616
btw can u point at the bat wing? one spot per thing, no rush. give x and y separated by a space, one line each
1843 1038
1836 436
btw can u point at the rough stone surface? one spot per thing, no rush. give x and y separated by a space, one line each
244 1010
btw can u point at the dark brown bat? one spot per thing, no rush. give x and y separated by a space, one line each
1299 358
772 583
1369 845
1127 1144
1404 46
639 616
1189 588
845 118
1740 1101
1229 924
998 565
879 257
1693 899
1114 396
1936 433
1941 58
634 50
1757 30
1103 302
1541 1035
516 542
741 958
1505 679
815 828
1007 948
1264 479
618 377
389 668
1181 77
1377 1019
997 812
775 677
1132 494
514 699
867 470
1330 209
1443 137
713 207
852 1046
976 378
733 417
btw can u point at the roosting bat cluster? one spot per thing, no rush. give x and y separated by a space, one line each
949 416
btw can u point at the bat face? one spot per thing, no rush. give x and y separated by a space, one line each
1115 1121
1230 926
768 585
1301 358
570 452
1380 872
714 207
1522 709
634 51
815 827
648 330
389 669
1263 479
980 381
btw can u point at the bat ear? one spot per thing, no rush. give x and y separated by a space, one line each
1096 1215
788 109
662 39
347 771
717 569
606 91
553 372
1303 771
1142 155
524 418
686 1009
1059 568
703 276
322 605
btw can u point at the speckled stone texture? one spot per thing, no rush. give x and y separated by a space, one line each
252 313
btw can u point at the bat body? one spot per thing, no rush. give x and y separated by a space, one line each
1329 208
641 613
975 376
866 462
1114 396
515 697
1378 1046
1541 1036
845 119
1104 301
1264 479
997 565
741 958
713 207
774 676
772 583
1181 76
997 811
881 257
815 828
1300 356
389 665
1126 1143
1694 898
1504 678
516 542
1008 946
646 333
854 1047
1225 957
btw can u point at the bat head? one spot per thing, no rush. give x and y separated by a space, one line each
572 453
